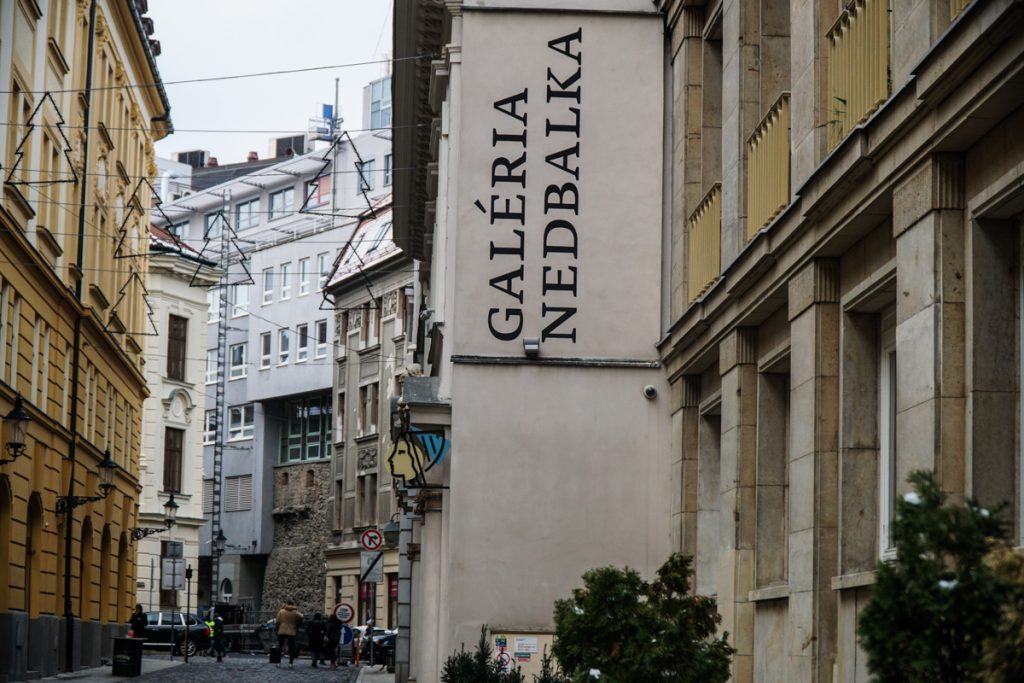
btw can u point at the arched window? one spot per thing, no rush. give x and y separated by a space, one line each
33 555
5 541
85 571
225 590
105 561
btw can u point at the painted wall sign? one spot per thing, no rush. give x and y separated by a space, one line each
560 205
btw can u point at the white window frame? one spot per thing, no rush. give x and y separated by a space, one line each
887 455
209 221
268 286
364 179
245 428
321 340
239 300
302 344
239 370
389 169
284 347
266 350
287 199
303 276
286 284
211 366
321 266
209 427
212 306
251 214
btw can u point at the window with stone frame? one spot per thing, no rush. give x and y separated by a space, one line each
771 549
887 456
709 457
177 341
174 441
368 397
366 499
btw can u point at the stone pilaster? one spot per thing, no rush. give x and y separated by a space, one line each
813 470
687 95
685 425
930 332
738 368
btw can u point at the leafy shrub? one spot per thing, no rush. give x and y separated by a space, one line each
937 602
623 629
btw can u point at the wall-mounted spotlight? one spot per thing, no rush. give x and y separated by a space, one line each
531 346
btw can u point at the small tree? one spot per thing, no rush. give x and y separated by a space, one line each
937 602
622 629
1003 660
478 667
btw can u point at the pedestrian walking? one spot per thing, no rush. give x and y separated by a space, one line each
288 619
332 639
137 623
218 637
316 629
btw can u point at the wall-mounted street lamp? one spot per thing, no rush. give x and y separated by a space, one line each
15 431
220 542
170 516
107 469
390 531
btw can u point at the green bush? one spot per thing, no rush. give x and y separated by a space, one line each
479 666
1003 658
622 629
934 606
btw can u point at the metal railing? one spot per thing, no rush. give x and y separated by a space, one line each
858 66
768 167
705 245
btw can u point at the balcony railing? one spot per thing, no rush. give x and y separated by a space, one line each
956 7
768 167
858 65
705 263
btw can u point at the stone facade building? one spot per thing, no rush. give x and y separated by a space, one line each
844 292
840 283
372 291
75 148
172 423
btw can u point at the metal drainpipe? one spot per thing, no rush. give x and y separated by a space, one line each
69 515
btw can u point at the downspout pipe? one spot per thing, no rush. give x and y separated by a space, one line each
69 513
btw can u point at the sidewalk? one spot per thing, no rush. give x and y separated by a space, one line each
373 674
104 674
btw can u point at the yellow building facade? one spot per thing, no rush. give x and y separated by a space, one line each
76 148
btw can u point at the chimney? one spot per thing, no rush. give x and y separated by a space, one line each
211 162
253 156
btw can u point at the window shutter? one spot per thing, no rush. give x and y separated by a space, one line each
245 492
207 496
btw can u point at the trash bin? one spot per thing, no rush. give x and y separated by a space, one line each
127 657
275 654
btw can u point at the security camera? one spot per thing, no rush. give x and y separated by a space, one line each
426 313
650 392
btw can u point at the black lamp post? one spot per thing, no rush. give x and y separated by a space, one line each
170 516
390 531
107 469
16 429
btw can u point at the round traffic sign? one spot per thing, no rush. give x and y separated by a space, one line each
347 636
344 612
371 539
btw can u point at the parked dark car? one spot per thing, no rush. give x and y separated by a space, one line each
167 629
383 648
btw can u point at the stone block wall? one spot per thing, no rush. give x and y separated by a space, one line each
295 568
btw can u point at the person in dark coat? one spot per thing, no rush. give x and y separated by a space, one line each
315 630
332 640
218 637
138 623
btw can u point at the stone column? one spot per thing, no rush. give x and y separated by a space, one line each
813 472
930 398
738 368
685 424
687 47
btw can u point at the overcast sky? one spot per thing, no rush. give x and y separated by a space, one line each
202 38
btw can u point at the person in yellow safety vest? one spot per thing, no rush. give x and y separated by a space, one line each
209 624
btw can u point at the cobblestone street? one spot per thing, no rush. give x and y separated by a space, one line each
234 669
